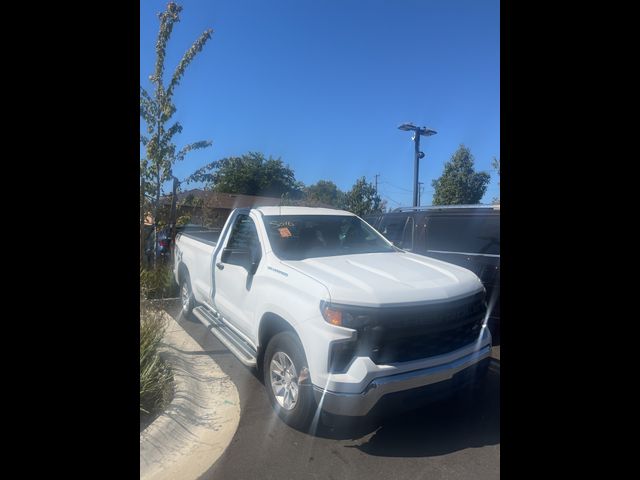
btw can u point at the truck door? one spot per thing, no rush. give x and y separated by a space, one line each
234 262
420 234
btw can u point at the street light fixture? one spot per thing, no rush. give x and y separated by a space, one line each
417 133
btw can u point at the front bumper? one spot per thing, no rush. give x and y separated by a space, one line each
359 404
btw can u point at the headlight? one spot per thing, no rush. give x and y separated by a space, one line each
340 317
333 315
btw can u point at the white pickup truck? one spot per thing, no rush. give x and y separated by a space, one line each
334 316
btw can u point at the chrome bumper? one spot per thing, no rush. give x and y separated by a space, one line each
359 404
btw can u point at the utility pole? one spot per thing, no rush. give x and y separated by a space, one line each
416 162
417 133
377 175
419 194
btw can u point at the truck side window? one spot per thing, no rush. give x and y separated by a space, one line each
477 234
244 235
393 229
407 234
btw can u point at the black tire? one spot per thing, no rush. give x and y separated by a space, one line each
185 289
302 413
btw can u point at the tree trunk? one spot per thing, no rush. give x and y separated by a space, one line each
142 212
173 214
155 219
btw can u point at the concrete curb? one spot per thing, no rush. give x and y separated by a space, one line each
198 425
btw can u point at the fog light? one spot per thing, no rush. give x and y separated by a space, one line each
340 356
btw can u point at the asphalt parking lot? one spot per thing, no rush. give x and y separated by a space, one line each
454 439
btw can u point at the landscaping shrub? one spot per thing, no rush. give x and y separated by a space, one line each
183 220
158 282
155 376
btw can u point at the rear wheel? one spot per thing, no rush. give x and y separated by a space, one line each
286 379
186 296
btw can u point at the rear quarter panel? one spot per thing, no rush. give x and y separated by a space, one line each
198 258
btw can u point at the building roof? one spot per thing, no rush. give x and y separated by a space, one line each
223 200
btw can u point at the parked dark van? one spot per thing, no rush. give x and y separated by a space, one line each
465 235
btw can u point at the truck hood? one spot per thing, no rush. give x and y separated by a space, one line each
386 279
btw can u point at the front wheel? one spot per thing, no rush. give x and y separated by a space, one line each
286 379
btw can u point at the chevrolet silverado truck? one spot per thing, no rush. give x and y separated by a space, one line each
334 317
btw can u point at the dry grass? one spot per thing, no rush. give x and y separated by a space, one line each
155 376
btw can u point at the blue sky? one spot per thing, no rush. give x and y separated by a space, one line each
323 84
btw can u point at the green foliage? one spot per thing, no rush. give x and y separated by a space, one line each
496 166
362 199
157 109
495 163
189 200
203 174
183 220
324 192
286 199
460 184
251 174
157 283
155 376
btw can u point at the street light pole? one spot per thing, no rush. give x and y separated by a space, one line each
417 133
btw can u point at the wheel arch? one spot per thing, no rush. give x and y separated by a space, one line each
182 272
270 325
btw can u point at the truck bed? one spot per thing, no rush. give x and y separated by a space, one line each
209 237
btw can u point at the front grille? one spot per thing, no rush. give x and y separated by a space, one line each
414 347
403 334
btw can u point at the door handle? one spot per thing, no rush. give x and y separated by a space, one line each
220 265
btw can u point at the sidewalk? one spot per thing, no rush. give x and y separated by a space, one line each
193 432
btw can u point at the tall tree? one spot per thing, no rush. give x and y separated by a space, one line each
460 184
362 199
496 166
158 108
250 174
325 192
495 163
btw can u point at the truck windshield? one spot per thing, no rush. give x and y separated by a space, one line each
296 237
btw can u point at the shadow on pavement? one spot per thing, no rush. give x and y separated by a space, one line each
468 419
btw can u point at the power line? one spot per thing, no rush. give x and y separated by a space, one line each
395 186
391 199
406 190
